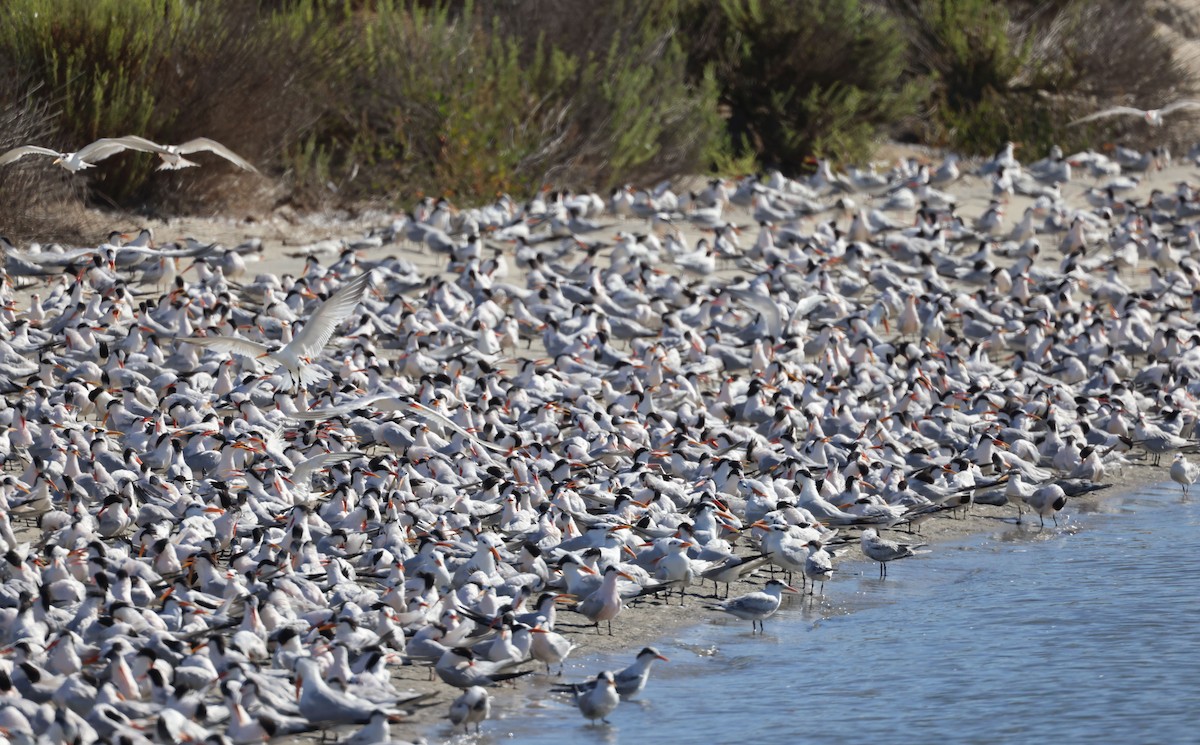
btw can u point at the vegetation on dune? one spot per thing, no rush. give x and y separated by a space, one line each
445 99
803 77
340 100
1023 70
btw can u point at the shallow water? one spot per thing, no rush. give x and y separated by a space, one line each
1084 634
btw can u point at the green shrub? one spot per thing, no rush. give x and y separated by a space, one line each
167 70
802 77
447 98
1022 70
343 100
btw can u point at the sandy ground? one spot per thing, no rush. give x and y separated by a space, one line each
287 237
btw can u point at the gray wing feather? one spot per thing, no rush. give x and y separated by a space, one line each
1114 111
204 144
20 152
320 327
233 345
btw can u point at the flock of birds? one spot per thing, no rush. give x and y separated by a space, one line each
171 156
236 504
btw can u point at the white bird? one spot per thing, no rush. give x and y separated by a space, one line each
172 155
605 602
377 731
1047 500
818 565
883 550
550 647
599 701
1153 117
1184 472
472 707
85 157
297 357
756 607
631 681
320 703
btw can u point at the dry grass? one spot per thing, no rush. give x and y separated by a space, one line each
37 201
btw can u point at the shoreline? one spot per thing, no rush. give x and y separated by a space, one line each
650 621
651 624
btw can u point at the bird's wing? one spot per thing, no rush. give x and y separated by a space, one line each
316 333
54 258
1179 105
765 307
754 601
133 142
329 412
424 412
104 147
1114 111
199 249
305 469
108 146
232 345
20 152
203 143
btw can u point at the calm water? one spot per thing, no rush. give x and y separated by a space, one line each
1082 635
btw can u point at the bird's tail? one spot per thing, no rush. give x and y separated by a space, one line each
176 165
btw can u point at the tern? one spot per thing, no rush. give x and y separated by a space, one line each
85 157
631 681
1153 117
172 155
462 669
600 700
320 703
1047 500
298 355
756 607
605 602
1184 472
883 550
472 707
